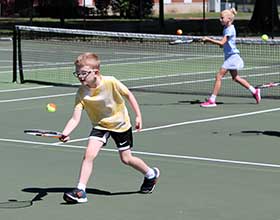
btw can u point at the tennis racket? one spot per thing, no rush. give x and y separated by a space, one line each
43 133
187 41
268 85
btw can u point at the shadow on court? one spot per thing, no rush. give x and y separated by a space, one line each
191 102
256 133
42 192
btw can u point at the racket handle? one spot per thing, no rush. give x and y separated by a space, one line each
63 138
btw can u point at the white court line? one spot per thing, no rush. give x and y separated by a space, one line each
6 61
62 65
6 71
215 160
191 122
155 77
104 62
36 97
24 89
171 155
212 119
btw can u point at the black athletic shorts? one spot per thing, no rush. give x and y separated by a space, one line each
123 140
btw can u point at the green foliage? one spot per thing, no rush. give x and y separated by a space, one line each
102 7
132 8
58 8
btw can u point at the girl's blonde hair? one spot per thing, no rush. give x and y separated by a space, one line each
230 13
88 59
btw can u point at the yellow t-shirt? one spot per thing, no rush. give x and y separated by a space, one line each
105 105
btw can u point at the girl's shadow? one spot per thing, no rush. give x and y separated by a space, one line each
256 133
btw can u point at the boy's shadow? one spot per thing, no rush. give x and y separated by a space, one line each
42 192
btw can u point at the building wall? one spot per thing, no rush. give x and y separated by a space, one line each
170 6
86 2
180 1
181 6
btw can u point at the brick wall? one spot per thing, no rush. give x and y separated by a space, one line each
180 6
170 6
180 1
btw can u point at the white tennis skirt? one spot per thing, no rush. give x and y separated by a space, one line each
233 62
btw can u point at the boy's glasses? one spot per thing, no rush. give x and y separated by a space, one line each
81 74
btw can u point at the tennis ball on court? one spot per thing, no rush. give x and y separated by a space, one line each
179 32
51 107
264 37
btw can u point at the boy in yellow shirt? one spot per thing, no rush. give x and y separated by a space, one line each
102 98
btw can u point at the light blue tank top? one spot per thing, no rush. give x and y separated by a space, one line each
230 46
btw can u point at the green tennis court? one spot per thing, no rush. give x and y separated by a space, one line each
216 164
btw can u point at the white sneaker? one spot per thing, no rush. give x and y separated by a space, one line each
75 196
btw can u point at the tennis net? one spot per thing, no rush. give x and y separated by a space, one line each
142 61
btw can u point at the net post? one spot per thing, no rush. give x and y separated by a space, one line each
161 16
19 57
14 54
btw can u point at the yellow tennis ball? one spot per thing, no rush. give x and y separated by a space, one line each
264 37
179 32
51 107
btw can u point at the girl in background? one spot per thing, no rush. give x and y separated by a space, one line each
232 60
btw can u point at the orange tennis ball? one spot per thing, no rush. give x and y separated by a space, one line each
179 32
51 107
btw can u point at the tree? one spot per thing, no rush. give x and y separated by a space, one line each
25 8
102 7
58 9
265 18
7 8
121 7
132 8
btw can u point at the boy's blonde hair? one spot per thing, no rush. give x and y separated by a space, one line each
230 13
88 59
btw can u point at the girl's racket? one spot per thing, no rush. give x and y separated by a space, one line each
187 41
175 42
268 85
43 133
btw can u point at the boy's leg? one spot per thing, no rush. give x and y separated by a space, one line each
79 194
124 142
93 148
135 162
151 174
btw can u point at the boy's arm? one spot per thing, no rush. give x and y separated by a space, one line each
71 124
135 107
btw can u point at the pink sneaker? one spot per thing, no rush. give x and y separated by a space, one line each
208 104
257 96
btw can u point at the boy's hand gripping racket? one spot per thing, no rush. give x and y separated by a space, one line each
44 133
